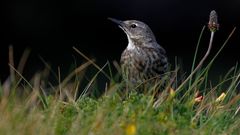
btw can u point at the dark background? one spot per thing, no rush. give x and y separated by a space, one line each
51 28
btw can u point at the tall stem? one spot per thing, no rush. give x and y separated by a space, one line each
200 63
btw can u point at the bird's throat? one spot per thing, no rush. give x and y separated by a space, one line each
131 46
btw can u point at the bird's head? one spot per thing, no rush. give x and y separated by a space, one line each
135 30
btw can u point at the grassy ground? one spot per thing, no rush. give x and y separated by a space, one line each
193 106
131 114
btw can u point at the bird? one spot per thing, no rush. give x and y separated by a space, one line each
143 60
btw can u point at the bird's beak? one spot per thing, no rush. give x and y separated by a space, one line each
119 22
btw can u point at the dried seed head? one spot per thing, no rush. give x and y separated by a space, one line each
213 21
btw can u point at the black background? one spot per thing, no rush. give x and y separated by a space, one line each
51 28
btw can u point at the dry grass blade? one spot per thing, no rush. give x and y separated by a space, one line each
32 101
47 66
95 65
237 111
22 77
76 71
11 62
23 60
59 81
91 82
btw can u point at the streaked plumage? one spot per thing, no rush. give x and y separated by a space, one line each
144 58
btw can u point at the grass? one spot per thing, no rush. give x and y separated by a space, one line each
195 106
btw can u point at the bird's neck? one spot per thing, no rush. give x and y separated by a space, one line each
134 43
131 45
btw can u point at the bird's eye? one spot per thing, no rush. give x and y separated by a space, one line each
133 25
